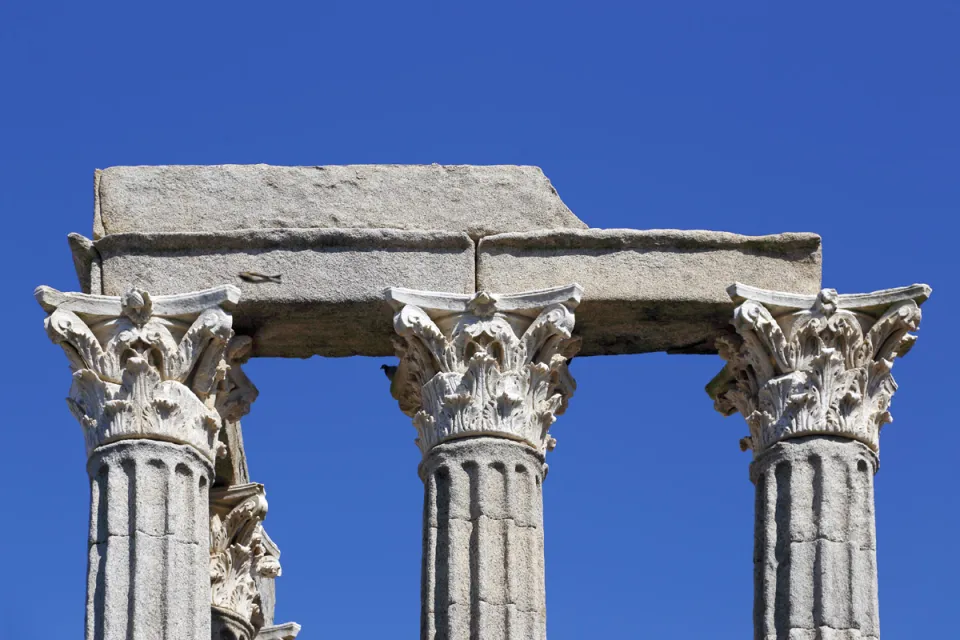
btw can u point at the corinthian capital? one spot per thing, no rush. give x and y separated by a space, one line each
144 367
238 553
807 365
484 364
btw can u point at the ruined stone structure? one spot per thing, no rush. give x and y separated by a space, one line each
484 285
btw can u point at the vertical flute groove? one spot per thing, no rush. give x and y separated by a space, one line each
149 561
815 561
482 579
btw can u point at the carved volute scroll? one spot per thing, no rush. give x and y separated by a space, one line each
144 367
484 364
806 365
238 552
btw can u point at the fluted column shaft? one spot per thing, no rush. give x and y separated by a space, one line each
811 375
815 557
148 575
483 378
483 563
146 372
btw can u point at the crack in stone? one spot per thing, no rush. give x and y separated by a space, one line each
165 536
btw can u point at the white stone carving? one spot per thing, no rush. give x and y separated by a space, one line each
287 631
806 365
238 554
238 392
144 367
484 364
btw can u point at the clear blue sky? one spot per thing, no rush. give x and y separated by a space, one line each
753 117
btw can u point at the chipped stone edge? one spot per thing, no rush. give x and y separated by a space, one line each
284 631
284 238
87 263
620 239
98 229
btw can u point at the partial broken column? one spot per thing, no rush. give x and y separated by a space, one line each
811 375
483 378
145 375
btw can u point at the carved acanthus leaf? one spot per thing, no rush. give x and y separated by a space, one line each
823 369
143 366
487 368
238 554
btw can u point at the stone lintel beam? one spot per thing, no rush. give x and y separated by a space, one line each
649 290
484 364
304 291
811 375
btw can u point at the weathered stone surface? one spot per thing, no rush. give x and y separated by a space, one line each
815 558
484 364
238 552
660 290
227 625
144 367
821 364
287 631
483 555
328 296
811 376
266 581
148 575
478 200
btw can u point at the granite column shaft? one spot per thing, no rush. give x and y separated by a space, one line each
815 555
149 542
483 563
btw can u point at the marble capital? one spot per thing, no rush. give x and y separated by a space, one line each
143 366
484 364
814 365
239 556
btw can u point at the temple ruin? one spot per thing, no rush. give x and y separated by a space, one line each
484 284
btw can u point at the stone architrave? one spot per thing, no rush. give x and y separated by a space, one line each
811 375
238 559
146 372
483 378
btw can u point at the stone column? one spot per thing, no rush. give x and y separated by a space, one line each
811 375
244 561
145 375
483 378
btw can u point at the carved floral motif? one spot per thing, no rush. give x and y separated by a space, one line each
237 550
824 369
139 372
497 368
